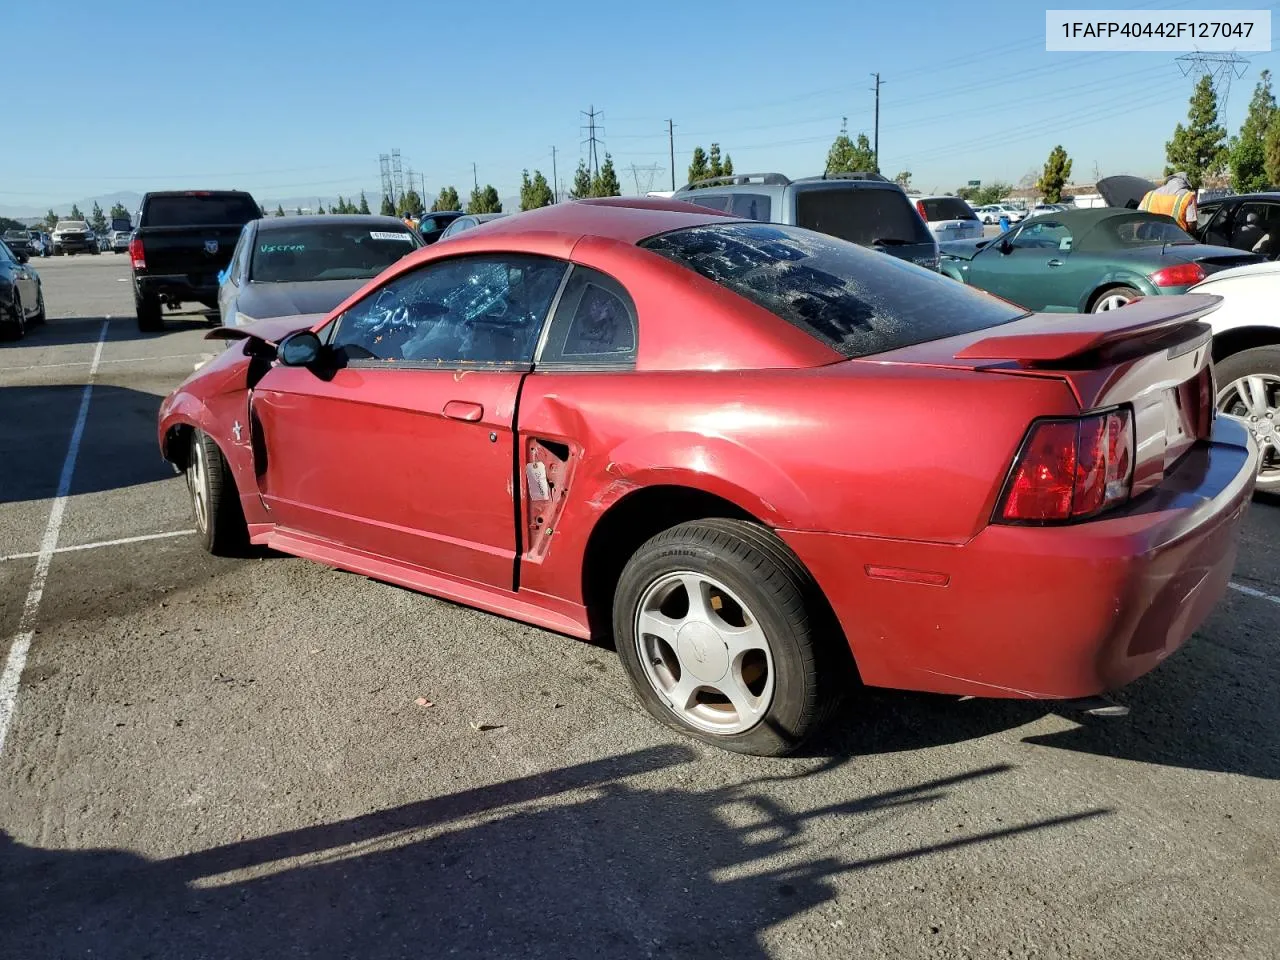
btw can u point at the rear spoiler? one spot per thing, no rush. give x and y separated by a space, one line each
1045 338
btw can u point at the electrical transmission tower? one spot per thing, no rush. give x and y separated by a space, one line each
384 163
1221 68
594 133
648 174
397 175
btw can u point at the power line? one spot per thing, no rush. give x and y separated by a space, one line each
1220 68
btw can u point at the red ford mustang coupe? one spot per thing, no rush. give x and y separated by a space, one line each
753 455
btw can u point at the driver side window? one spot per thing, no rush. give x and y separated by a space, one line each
1043 235
471 310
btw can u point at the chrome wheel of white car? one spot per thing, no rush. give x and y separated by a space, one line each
704 653
1254 401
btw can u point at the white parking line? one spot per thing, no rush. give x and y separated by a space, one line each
1251 592
103 543
17 658
85 363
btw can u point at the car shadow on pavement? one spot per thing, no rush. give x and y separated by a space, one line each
67 331
588 861
1212 706
118 447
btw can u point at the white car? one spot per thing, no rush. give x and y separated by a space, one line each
989 213
1246 357
1015 214
948 218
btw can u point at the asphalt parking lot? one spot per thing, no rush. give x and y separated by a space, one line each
227 758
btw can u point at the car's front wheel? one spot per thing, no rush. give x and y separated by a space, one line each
220 522
725 637
1249 391
1113 298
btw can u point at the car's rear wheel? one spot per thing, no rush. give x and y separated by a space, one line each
725 637
41 313
220 522
1249 391
1113 298
150 319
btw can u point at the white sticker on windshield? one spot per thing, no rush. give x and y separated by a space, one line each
389 235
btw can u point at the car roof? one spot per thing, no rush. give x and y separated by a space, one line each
624 219
317 219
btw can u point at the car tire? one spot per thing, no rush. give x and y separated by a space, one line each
215 502
1262 362
57 251
17 326
751 586
1112 298
41 314
150 318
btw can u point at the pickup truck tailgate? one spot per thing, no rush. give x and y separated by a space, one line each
196 251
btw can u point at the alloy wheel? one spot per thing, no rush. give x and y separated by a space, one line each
1255 402
1112 301
197 483
704 653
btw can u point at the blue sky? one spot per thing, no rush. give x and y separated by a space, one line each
289 99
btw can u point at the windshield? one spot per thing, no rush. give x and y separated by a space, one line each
857 301
16 235
71 225
196 210
327 252
946 208
1141 231
861 215
121 224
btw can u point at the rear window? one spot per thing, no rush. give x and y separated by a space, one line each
199 211
122 224
854 300
861 215
347 251
750 206
946 208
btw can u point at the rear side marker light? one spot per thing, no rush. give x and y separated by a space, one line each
1180 275
1070 469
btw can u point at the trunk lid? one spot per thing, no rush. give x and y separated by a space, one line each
1124 191
1153 355
197 252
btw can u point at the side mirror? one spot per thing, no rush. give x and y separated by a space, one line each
1006 246
299 349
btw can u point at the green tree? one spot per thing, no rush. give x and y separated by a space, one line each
410 204
715 167
846 156
364 204
50 219
1057 170
1271 153
75 213
728 165
279 210
903 180
342 205
319 207
699 169
1248 154
298 212
605 183
388 209
118 211
536 192
1198 149
582 185
447 199
98 219
484 200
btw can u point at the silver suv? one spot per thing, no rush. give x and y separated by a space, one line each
863 208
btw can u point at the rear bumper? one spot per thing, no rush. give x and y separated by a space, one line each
66 245
176 286
1044 612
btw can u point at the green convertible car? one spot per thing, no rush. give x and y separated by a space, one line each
1082 261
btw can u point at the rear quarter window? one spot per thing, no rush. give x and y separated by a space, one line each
855 300
199 211
946 208
715 201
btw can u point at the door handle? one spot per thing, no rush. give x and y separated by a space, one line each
1055 262
463 410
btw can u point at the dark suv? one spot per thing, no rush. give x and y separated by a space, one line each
1248 221
863 208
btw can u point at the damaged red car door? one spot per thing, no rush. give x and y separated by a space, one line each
402 446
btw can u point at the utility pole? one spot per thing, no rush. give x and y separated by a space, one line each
592 139
555 179
474 178
671 142
876 148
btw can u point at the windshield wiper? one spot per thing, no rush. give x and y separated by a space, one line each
891 242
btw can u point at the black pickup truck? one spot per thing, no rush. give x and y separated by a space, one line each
183 240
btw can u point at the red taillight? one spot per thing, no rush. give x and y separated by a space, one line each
1180 275
136 255
1069 469
920 210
